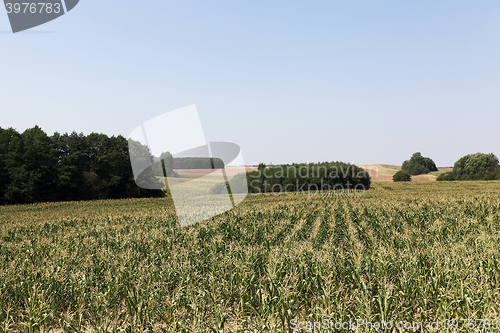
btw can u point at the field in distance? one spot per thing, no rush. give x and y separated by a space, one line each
230 172
384 172
378 172
416 251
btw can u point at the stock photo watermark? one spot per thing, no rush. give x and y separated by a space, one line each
24 15
406 326
312 179
178 136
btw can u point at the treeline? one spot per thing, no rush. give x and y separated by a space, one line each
312 177
477 166
198 163
308 177
35 167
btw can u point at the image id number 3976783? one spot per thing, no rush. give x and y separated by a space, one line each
33 8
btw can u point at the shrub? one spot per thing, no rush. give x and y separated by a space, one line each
401 176
418 165
238 184
447 176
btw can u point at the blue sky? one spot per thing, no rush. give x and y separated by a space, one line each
356 81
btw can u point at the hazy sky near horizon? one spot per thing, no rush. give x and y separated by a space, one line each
289 81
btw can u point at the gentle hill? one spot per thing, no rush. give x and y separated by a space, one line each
440 171
381 169
384 172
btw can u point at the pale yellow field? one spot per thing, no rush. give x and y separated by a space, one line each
230 172
384 172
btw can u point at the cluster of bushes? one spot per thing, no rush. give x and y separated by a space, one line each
418 165
35 167
477 166
401 176
327 176
198 163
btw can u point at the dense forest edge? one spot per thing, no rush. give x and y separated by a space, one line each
35 167
197 163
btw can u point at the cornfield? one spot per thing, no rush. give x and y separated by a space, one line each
409 252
